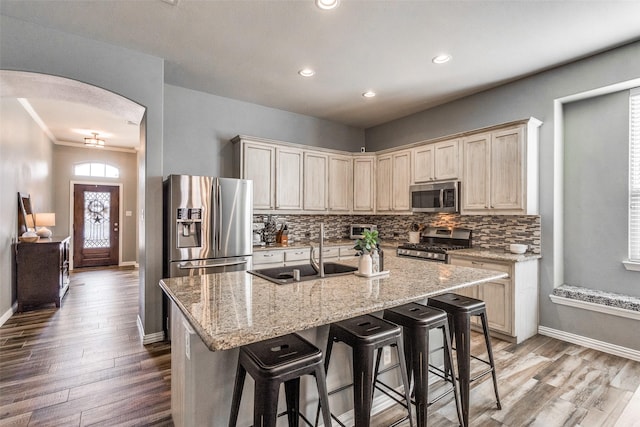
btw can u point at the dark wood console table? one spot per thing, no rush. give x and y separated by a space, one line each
42 270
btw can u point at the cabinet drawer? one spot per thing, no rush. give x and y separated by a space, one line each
268 257
347 252
296 254
487 265
331 252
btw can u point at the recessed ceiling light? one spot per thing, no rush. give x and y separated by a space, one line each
306 72
369 94
441 59
327 4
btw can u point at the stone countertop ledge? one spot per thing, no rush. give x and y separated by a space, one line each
495 255
228 310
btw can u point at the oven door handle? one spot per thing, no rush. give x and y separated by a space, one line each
222 264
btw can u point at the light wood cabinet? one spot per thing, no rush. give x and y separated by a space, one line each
289 163
364 184
436 162
340 183
393 180
315 181
500 171
42 271
512 303
258 164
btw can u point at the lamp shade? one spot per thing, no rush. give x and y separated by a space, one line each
47 219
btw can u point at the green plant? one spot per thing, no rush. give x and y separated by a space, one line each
367 243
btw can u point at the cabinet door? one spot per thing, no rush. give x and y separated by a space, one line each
340 186
446 160
364 185
497 297
288 178
383 183
259 165
475 192
315 181
506 169
401 170
423 158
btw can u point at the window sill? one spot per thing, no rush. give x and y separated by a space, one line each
631 265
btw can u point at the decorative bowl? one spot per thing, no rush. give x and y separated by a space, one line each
28 239
515 248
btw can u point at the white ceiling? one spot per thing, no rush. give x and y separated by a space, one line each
251 50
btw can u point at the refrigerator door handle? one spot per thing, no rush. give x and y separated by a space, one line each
222 264
218 220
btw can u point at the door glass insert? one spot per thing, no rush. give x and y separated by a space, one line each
96 219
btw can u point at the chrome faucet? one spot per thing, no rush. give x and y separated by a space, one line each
318 266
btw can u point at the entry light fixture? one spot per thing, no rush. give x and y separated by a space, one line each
327 4
94 141
369 94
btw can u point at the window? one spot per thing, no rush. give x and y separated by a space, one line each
634 180
98 170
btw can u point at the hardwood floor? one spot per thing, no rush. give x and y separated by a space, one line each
84 365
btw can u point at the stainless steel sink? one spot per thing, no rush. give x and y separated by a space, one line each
283 275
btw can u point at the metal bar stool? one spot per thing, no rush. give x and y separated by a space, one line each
273 362
365 335
417 320
459 309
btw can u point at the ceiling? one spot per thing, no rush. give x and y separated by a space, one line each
252 50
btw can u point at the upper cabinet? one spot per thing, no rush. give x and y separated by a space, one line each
393 180
257 163
500 171
436 162
497 167
288 178
315 181
364 183
340 183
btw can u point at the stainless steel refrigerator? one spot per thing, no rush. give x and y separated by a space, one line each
207 225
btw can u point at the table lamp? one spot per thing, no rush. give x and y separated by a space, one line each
44 220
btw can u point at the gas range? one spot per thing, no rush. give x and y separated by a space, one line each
435 243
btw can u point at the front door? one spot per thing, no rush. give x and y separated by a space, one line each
95 225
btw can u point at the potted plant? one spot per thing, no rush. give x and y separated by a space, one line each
365 246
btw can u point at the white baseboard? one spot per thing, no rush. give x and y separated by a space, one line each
128 264
7 314
605 347
150 338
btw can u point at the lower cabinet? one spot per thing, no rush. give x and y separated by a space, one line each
42 271
296 256
512 303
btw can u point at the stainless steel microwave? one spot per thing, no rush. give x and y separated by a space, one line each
358 229
440 197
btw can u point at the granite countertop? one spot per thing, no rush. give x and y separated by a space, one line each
229 310
495 254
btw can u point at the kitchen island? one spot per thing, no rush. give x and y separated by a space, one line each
213 315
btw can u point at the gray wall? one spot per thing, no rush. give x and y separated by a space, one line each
25 166
534 96
596 183
65 158
198 127
137 76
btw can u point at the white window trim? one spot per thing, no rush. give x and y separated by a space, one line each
558 168
633 262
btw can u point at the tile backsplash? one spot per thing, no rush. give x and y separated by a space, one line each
490 232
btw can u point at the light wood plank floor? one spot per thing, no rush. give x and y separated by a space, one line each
84 365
